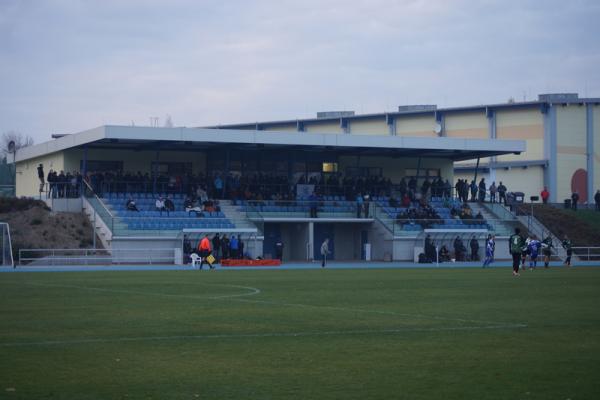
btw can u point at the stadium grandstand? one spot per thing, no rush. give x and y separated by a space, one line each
374 184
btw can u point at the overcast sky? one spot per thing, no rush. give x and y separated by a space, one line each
67 66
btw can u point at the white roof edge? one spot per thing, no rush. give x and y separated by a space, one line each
267 137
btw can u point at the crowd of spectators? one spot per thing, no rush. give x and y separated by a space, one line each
61 185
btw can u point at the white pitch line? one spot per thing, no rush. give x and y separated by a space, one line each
255 291
358 310
260 335
252 291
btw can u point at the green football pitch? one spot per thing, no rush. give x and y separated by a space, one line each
301 334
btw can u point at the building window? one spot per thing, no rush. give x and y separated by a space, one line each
330 167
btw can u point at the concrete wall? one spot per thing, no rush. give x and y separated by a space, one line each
525 124
28 183
571 146
134 161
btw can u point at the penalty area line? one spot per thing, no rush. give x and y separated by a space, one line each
261 335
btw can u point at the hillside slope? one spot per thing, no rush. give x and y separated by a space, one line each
34 226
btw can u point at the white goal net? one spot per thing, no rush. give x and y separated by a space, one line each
6 256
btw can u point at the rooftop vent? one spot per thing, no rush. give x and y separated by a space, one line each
334 114
558 97
417 107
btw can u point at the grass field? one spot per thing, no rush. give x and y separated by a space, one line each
309 334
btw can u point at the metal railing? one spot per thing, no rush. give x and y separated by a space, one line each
99 206
53 257
586 253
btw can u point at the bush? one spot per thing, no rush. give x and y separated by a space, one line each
13 204
36 221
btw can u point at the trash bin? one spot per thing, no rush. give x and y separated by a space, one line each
567 203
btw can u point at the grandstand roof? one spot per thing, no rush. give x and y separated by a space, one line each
186 139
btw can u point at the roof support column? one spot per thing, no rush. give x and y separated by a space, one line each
491 116
310 246
155 171
590 152
550 177
83 169
225 178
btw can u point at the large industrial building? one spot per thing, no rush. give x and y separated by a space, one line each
561 131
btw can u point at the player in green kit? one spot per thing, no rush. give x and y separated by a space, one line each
568 247
515 247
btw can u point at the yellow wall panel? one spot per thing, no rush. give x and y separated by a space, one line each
527 180
369 127
27 182
518 117
571 126
467 125
323 127
596 115
292 127
534 151
416 126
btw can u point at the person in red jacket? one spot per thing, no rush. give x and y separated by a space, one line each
204 249
545 195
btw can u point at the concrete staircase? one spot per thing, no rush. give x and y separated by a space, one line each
238 217
497 216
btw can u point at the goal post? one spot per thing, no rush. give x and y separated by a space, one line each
6 256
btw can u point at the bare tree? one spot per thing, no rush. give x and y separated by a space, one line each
20 140
168 122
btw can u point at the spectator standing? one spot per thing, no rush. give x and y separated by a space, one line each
474 245
240 247
493 191
366 206
502 193
473 187
324 252
545 195
225 247
216 245
482 190
279 250
40 171
359 205
234 247
574 200
459 249
597 200
187 248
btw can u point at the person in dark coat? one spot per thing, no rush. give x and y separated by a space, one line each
279 250
474 244
216 242
40 171
459 249
502 193
482 190
597 200
574 200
